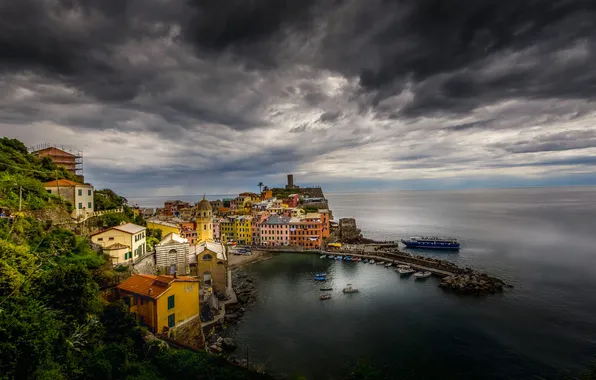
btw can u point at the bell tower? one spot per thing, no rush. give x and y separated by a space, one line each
204 220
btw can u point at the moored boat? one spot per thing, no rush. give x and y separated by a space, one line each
320 278
365 260
422 275
372 261
331 257
355 259
323 256
350 289
338 258
348 258
322 274
380 263
325 297
326 289
405 271
431 242
388 265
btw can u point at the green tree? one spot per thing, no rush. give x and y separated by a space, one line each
17 268
106 199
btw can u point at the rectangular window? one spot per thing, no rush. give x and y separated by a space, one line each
89 205
80 205
170 302
111 238
89 192
80 193
171 320
49 191
99 239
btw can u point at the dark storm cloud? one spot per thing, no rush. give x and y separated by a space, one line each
568 140
330 116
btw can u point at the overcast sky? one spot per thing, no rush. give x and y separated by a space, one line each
172 97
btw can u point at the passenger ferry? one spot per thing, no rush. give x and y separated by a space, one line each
431 242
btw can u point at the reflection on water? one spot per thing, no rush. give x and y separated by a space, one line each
541 240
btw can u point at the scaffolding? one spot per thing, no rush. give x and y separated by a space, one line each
68 158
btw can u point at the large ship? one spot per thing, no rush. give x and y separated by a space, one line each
431 242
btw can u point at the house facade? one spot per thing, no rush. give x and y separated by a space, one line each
161 302
79 194
212 265
129 235
171 255
275 231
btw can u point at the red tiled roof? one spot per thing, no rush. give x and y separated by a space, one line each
141 283
64 183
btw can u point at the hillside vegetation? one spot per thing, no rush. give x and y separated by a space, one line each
53 322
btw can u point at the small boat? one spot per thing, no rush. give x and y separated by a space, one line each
405 271
422 275
338 258
360 259
325 297
365 260
348 258
320 274
355 259
380 263
326 289
323 256
320 278
350 289
372 261
331 257
388 265
404 266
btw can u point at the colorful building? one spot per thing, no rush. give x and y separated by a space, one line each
292 200
275 231
212 265
125 242
165 227
204 221
171 208
216 230
307 231
161 302
79 194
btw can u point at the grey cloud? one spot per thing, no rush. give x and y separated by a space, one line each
330 116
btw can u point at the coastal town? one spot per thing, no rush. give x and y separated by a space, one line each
176 264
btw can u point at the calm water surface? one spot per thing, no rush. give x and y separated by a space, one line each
540 240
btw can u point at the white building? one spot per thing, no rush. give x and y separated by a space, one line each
113 239
171 255
79 194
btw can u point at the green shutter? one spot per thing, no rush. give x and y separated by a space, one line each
170 302
171 320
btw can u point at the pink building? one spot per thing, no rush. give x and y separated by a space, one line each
292 200
275 231
257 221
216 233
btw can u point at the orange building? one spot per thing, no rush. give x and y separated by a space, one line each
160 302
307 232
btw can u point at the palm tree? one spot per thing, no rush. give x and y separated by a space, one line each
260 185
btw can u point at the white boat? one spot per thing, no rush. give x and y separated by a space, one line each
331 257
405 271
325 296
421 275
380 262
405 266
388 265
350 289
371 261
323 256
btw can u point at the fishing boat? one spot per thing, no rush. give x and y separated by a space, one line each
323 256
326 289
372 261
325 297
422 275
350 289
320 278
431 242
405 271
388 265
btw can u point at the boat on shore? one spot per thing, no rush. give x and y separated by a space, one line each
349 289
348 258
323 297
431 242
326 289
355 259
372 261
422 275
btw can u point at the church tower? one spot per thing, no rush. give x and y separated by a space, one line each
204 220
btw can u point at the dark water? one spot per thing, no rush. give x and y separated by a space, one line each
543 241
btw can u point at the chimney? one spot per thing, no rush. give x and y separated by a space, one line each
175 274
150 291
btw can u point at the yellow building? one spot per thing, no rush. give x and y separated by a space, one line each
165 227
123 243
161 302
226 229
204 220
212 265
243 230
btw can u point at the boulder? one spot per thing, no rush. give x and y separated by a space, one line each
229 344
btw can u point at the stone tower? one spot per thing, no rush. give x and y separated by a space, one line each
204 220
